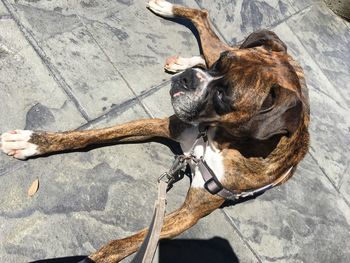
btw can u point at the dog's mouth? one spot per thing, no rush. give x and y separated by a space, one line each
177 90
178 94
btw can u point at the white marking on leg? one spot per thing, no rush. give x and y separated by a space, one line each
16 143
161 7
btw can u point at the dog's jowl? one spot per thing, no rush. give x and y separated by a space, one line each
251 100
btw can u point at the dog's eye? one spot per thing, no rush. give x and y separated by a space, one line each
221 89
269 102
222 103
219 94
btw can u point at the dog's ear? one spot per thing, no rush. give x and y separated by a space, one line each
266 39
280 113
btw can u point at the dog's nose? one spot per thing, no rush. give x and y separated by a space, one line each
185 79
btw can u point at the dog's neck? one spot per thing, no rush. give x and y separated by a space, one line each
248 147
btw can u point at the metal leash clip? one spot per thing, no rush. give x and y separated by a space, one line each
176 171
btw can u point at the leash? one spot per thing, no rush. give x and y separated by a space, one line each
149 245
148 248
165 182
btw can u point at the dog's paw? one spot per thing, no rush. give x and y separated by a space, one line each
177 64
161 7
16 143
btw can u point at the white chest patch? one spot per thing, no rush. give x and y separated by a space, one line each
212 156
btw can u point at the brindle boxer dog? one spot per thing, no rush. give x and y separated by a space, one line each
254 100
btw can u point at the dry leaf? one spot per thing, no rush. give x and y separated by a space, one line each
33 188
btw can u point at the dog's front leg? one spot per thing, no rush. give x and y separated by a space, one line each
211 44
22 144
198 204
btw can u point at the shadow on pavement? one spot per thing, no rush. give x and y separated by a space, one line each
240 200
216 250
74 259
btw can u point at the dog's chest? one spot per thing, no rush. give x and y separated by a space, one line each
200 148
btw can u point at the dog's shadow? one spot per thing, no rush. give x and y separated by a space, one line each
73 259
216 250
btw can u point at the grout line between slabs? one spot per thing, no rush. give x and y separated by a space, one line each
240 234
55 73
288 17
148 112
293 7
122 107
323 171
329 179
347 171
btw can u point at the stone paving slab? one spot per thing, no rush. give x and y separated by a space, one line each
160 103
3 10
141 43
299 5
327 39
12 40
34 237
330 137
74 54
31 98
304 220
315 77
237 19
345 185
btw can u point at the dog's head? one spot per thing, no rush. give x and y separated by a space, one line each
253 90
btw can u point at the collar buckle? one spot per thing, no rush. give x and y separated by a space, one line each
176 171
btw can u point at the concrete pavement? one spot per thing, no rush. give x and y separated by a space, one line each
87 64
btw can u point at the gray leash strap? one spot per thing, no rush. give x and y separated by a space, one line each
149 246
